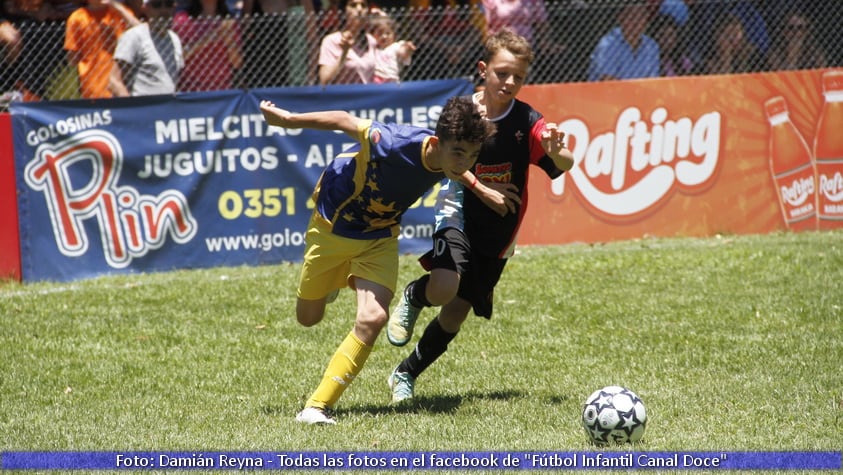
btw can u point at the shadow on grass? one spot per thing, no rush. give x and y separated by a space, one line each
436 404
441 404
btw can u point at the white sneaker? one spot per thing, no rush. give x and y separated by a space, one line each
402 386
315 415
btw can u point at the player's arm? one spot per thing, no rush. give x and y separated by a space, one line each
321 120
502 198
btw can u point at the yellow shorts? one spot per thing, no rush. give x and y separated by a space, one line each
330 261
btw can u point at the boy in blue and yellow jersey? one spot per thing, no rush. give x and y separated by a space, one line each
352 238
475 235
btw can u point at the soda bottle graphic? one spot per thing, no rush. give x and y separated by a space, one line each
792 168
828 153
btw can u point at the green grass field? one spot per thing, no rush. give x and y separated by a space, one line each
733 342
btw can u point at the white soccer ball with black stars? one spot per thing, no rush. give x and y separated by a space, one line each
614 415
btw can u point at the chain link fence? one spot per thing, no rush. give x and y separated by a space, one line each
694 37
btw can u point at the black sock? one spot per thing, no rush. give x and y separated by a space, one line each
416 292
430 347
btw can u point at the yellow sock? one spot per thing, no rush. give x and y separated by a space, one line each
346 363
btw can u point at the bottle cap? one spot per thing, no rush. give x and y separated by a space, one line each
775 106
833 81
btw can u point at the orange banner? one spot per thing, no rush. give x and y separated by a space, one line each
691 156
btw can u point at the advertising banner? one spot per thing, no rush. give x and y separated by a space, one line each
148 184
188 181
692 156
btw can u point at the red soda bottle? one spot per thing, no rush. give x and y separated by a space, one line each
792 168
828 153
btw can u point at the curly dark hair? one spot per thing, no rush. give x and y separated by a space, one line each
460 121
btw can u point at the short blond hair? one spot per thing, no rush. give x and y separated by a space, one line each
506 39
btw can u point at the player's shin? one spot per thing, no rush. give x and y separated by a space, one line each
344 366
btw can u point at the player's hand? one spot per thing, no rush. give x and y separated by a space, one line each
272 114
502 198
553 143
553 139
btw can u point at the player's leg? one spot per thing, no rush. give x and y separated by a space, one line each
447 260
432 344
375 273
475 291
325 270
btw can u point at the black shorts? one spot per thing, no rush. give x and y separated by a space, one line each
478 274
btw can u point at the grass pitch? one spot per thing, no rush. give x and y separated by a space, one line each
733 342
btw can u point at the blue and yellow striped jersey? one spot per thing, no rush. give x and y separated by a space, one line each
367 188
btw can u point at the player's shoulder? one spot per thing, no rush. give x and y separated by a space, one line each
528 110
396 135
521 114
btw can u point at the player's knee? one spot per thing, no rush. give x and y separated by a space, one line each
442 288
372 318
309 313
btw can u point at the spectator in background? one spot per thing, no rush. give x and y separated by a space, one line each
707 17
10 48
149 56
674 59
754 26
212 46
348 56
41 56
390 56
91 35
279 38
732 52
451 34
795 47
626 52
675 9
10 41
527 18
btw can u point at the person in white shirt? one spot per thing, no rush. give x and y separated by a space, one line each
149 56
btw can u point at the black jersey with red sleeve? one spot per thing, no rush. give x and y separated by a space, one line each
506 158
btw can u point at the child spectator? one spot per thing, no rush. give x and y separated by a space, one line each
390 56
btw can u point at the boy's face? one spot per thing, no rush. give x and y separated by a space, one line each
504 75
457 157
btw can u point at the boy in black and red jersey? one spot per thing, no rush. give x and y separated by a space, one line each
474 237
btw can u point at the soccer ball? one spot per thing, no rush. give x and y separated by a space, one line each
614 415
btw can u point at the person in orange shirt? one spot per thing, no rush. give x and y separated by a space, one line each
90 38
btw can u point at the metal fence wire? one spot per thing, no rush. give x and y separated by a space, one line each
269 50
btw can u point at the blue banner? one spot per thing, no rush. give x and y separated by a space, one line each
188 181
405 461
